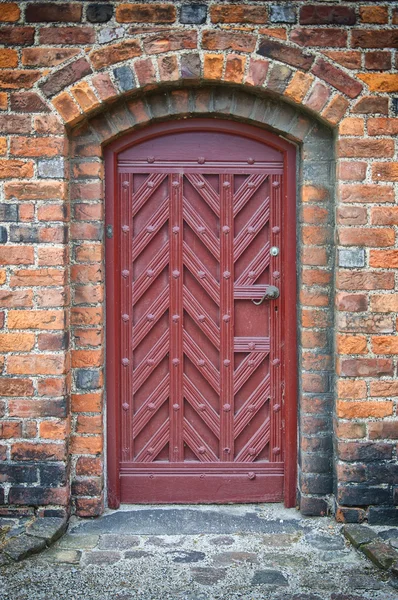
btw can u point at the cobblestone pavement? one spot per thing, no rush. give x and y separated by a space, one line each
199 553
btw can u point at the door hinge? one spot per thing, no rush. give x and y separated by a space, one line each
109 231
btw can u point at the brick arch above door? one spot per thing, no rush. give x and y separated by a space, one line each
315 210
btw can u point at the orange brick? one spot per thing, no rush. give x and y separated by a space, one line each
366 237
86 445
351 126
234 68
364 410
369 148
36 364
16 255
353 193
351 344
86 402
373 14
116 53
3 100
36 319
213 66
67 108
85 96
87 358
238 14
53 430
380 82
15 168
86 316
384 303
384 389
384 259
387 171
37 277
16 342
349 389
52 256
8 58
384 215
89 424
10 12
48 297
299 86
27 146
88 253
88 337
382 126
312 193
3 146
146 13
275 32
385 344
37 190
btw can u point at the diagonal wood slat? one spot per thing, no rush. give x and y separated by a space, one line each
150 318
148 276
201 406
206 191
146 190
201 229
256 267
148 232
256 443
247 234
201 362
201 318
201 273
251 406
248 188
150 362
197 444
151 405
246 368
155 445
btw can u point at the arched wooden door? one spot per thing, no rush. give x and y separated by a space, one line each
201 315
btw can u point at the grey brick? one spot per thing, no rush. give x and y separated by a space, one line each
351 258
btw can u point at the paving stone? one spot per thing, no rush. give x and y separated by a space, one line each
346 597
14 531
223 540
363 582
287 560
207 575
269 577
394 568
359 534
137 554
380 553
70 557
22 546
160 542
324 542
186 556
280 541
101 557
306 597
4 560
118 542
389 534
83 542
230 558
48 528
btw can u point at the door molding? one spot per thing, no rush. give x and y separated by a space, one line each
113 278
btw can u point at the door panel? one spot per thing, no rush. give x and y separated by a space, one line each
201 365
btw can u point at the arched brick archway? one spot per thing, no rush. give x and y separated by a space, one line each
315 210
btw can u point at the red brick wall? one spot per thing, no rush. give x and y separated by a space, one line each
75 75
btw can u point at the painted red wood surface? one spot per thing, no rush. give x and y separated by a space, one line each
197 397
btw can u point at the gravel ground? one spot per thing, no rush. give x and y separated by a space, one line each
203 553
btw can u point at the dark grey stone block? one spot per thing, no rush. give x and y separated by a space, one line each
22 546
282 13
269 577
193 14
99 13
125 78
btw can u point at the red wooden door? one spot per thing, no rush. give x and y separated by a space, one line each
198 217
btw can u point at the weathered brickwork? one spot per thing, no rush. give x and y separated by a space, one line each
75 75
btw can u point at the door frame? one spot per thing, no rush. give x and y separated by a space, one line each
112 287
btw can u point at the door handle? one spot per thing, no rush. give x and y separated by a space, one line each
272 293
